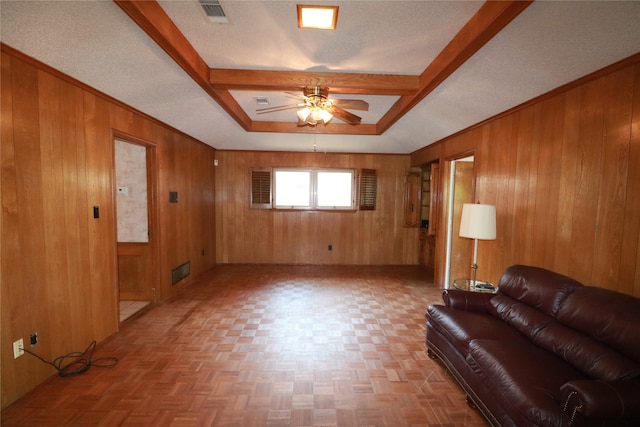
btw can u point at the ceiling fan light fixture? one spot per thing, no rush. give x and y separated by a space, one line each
315 107
303 114
319 17
326 116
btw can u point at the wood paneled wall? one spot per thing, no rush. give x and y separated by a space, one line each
246 235
564 174
59 267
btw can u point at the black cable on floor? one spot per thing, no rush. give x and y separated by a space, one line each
80 364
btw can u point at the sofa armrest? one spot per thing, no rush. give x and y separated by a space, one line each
465 300
602 399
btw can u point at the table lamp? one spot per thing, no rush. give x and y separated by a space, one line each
478 223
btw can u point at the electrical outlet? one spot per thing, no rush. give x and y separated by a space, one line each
18 348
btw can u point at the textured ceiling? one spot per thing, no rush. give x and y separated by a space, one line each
547 45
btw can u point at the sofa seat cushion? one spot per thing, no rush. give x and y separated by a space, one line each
524 378
460 327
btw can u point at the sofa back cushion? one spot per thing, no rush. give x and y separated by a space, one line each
526 319
609 317
536 287
594 329
593 358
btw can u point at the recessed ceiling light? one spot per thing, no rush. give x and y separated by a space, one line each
323 17
262 100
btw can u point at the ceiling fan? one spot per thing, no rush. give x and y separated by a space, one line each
315 107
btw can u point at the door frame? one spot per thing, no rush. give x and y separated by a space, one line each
448 189
152 208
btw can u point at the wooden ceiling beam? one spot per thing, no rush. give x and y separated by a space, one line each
331 128
347 83
150 16
488 21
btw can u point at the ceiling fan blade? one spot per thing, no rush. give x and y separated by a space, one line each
351 104
296 96
345 115
278 108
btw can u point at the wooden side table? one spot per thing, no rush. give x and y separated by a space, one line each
479 286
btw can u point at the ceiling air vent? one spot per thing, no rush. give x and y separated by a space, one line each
214 11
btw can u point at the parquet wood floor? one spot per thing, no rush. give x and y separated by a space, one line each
249 345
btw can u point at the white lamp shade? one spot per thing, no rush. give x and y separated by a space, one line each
478 221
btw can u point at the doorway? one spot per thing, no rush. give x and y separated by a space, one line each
134 213
459 189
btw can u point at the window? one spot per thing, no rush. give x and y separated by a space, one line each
334 190
314 189
293 189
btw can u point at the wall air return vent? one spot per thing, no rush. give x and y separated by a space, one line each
180 272
213 11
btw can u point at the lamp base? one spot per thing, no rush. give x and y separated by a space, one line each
474 267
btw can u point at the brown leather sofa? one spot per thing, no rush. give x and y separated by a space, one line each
543 351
